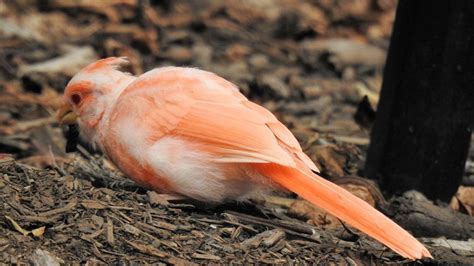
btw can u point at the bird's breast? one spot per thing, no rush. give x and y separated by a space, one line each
135 167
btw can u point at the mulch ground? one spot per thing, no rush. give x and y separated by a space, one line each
309 63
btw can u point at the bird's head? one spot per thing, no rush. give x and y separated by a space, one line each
91 93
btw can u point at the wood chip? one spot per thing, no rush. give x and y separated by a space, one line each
110 232
153 229
131 229
94 234
92 204
180 262
147 249
71 204
167 226
275 236
204 256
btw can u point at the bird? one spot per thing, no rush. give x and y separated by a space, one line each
190 132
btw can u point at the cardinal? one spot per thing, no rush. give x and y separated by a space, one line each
190 132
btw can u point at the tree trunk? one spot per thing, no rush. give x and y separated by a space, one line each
421 136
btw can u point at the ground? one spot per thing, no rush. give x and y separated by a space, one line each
309 62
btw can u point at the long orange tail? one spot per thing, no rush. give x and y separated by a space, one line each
349 208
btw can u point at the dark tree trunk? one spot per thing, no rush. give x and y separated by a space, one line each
421 136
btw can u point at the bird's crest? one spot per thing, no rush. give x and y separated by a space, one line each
107 64
105 74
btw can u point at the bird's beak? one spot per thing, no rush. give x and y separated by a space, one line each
66 116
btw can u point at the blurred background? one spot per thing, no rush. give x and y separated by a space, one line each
316 64
310 62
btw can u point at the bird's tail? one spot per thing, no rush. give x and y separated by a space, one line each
349 208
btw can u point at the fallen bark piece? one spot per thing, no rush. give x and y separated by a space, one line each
463 248
423 218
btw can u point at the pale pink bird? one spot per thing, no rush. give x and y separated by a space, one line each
191 132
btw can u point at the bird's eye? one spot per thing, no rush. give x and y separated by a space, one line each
76 99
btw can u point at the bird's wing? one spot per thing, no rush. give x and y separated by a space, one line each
201 106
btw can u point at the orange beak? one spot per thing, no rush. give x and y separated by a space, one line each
66 116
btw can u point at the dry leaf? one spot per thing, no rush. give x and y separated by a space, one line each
464 199
363 188
17 226
331 159
38 231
